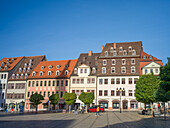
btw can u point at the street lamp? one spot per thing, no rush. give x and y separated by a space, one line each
120 92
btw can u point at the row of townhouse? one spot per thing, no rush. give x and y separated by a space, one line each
105 74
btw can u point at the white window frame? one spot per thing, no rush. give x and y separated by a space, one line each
106 53
57 72
75 71
33 73
114 53
66 72
105 70
131 61
85 70
41 73
93 70
133 52
113 69
132 69
49 73
124 61
81 70
124 52
123 68
120 49
105 61
130 48
114 61
111 49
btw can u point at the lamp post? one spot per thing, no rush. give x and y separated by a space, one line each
120 92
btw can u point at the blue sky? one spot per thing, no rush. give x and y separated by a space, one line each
65 28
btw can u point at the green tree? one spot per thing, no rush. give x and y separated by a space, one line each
163 92
87 98
70 98
146 88
54 98
36 99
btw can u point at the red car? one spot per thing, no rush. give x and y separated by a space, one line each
94 109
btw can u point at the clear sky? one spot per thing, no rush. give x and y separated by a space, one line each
62 29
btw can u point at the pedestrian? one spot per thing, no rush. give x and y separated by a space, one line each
75 109
97 112
12 109
82 110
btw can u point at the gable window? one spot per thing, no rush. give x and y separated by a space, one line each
123 61
93 70
112 69
66 66
22 75
57 72
150 57
104 62
114 53
146 71
132 61
113 62
28 69
111 49
133 52
49 73
123 69
120 49
66 72
41 73
130 49
103 70
75 71
144 57
26 75
133 69
6 67
24 70
106 53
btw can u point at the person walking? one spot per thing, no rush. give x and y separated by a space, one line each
75 109
97 112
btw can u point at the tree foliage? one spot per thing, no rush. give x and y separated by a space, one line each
86 97
70 98
36 99
54 99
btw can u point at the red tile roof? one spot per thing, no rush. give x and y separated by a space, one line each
10 63
62 69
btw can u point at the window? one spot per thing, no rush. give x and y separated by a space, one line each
41 73
106 53
103 70
4 76
24 70
49 83
114 53
74 81
156 70
123 61
61 94
130 80
135 80
66 82
44 94
33 83
133 52
123 80
58 66
130 92
66 66
58 82
124 53
81 70
123 93
26 75
42 67
40 93
40 83
100 81
120 49
151 70
117 93
20 69
123 69
93 70
62 82
36 83
93 80
146 71
78 81
88 80
45 83
66 72
112 81
113 62
75 71
132 69
104 62
28 94
33 74
49 73
130 49
144 57
112 92
48 94
50 67
29 83
118 81
112 69
32 93
13 76
100 92
150 57
85 70
105 81
73 91
111 49
57 72
105 92
53 82
132 61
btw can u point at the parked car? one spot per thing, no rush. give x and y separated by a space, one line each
94 109
2 109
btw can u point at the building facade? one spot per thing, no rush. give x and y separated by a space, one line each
118 71
7 67
48 78
84 76
16 88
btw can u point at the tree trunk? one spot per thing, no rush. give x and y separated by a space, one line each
153 115
69 108
36 108
164 112
145 106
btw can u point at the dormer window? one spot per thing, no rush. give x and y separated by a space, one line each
41 73
144 57
26 75
66 66
106 53
33 74
6 67
133 52
49 73
75 71
120 49
24 70
50 67
124 53
7 60
22 75
58 66
20 69
30 61
12 59
2 63
28 69
30 64
57 72
42 67
13 76
25 65
111 49
84 58
150 57
8 63
66 72
130 48
93 70
17 76
114 53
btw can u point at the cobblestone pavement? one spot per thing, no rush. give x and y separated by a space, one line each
88 120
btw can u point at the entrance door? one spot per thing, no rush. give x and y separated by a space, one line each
125 104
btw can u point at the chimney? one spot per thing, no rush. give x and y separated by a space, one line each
102 47
114 45
90 53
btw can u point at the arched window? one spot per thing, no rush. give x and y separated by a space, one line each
133 52
66 72
57 72
106 53
49 73
41 73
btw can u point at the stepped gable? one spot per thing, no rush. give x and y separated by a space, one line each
60 66
26 67
7 64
